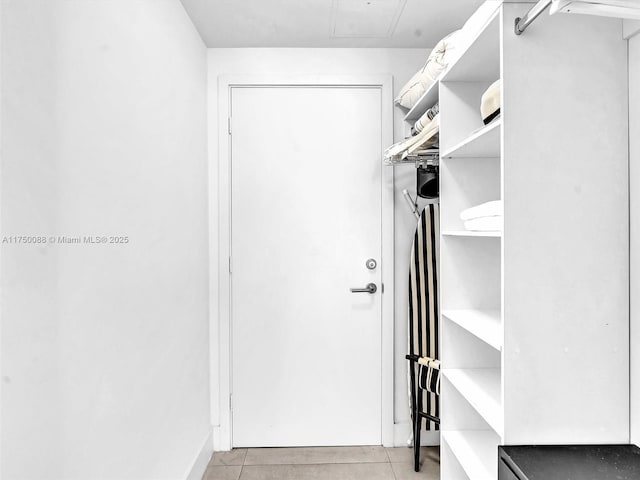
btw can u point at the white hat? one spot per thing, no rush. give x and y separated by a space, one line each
490 105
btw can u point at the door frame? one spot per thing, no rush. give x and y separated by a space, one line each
220 318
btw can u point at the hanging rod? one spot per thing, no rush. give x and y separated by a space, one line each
523 22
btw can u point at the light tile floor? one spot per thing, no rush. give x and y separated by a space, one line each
323 463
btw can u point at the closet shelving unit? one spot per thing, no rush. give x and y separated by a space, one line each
472 332
520 313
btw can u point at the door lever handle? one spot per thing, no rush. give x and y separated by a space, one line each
370 288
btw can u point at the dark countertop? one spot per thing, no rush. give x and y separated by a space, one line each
576 462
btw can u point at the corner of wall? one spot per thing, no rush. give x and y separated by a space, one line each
630 28
634 207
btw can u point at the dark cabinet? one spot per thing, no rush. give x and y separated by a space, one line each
569 462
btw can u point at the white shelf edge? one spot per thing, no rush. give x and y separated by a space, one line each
475 136
474 451
493 18
471 233
483 324
428 99
482 390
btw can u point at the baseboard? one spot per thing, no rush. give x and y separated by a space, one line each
402 433
202 459
217 440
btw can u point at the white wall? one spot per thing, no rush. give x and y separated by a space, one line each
402 64
634 176
1 232
104 347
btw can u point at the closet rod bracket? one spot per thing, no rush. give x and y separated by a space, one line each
521 23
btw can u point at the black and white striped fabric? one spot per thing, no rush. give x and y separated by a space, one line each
429 376
423 300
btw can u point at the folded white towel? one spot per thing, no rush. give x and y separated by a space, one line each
485 224
488 209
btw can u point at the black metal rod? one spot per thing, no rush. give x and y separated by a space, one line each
416 437
429 417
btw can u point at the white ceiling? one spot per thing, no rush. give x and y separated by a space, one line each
327 23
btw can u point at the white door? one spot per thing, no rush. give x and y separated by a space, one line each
305 217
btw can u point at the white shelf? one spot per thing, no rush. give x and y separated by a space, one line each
483 143
480 62
428 100
475 450
470 233
481 388
484 324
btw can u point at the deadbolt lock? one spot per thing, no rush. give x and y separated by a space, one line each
371 264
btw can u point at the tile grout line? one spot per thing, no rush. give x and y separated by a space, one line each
319 464
244 460
387 459
386 451
393 470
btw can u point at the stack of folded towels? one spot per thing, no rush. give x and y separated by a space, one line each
487 217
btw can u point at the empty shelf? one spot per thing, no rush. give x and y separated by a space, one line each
483 143
484 324
428 99
481 388
470 233
476 451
